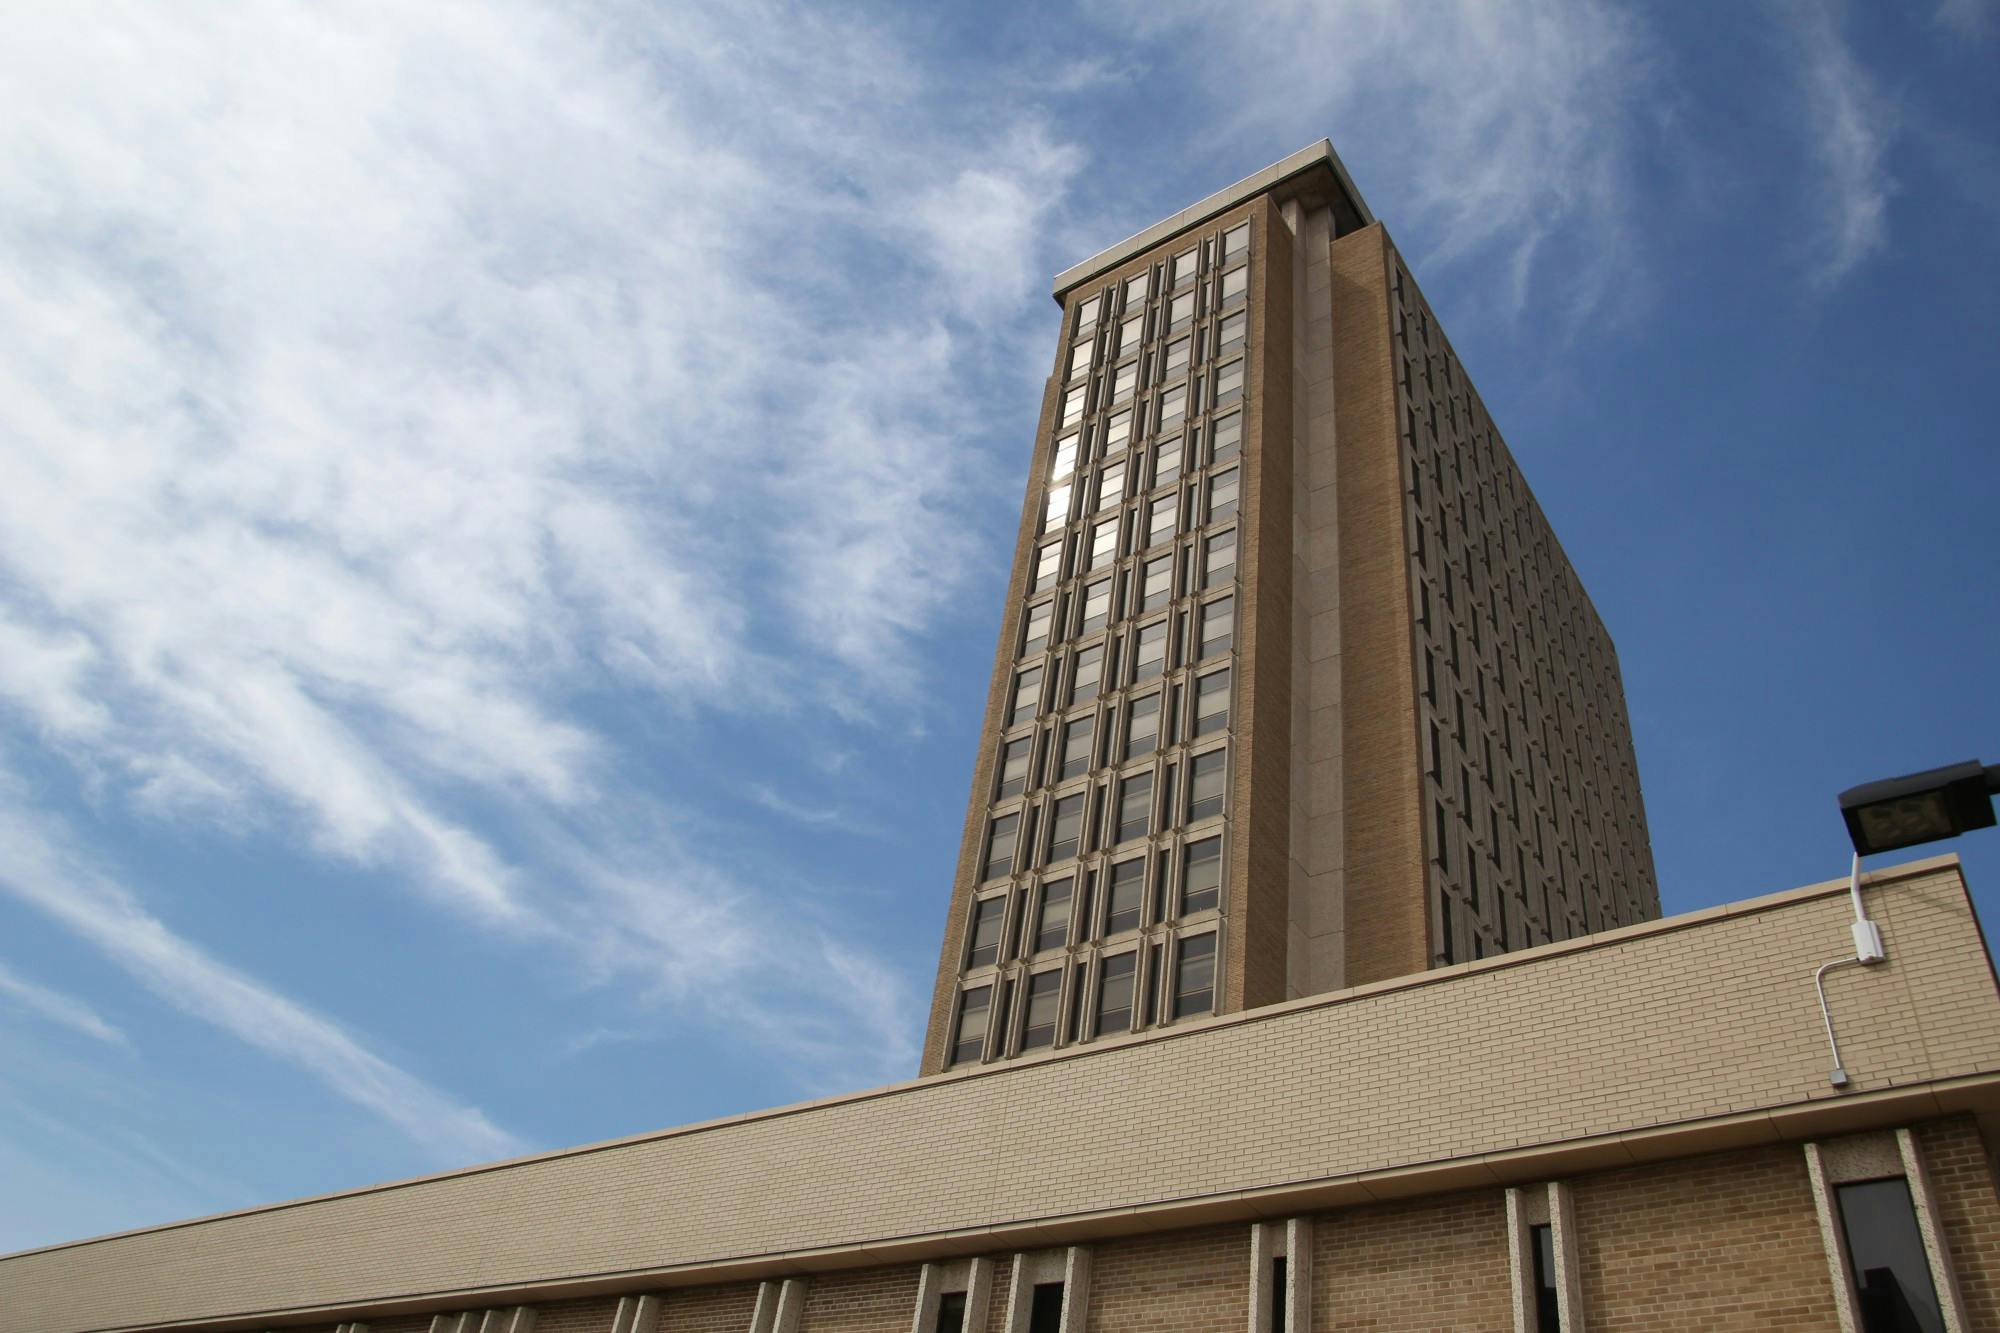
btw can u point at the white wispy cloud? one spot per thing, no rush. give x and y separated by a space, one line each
56 1007
1850 124
380 383
62 883
1500 131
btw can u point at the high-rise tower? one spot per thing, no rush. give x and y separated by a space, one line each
1295 689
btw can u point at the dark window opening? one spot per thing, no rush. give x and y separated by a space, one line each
951 1312
1278 1295
1045 1313
1885 1253
1548 1309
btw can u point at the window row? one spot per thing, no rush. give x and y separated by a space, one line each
1124 992
1218 443
1164 414
1076 907
1070 747
1144 585
1192 504
1113 812
1164 280
1201 633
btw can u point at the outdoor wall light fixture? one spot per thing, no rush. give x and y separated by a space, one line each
1902 812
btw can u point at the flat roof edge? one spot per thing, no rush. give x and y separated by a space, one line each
1306 159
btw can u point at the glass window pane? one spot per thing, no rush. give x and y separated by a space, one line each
1048 566
1124 383
1235 285
1135 807
1548 1309
1096 605
1226 437
1065 829
1885 1254
1205 785
951 1312
1219 561
1136 289
1079 359
1229 382
1035 633
1222 495
1236 241
1073 405
1181 310
1057 512
1194 977
1211 703
1142 726
983 949
1149 658
1185 265
1173 407
1076 747
1064 462
1127 892
1156 586
1000 846
1038 1029
1052 930
1201 876
1110 486
1163 519
1014 767
1103 544
974 1009
1114 994
1167 460
1027 696
1230 331
1177 357
1117 432
1218 622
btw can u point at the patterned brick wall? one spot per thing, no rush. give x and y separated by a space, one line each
1435 1264
1178 1282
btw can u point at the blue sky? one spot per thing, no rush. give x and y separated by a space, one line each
503 510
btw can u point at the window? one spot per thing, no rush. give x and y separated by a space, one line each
1052 929
1167 460
1176 360
1163 519
983 950
1194 980
1222 495
1096 605
1235 285
974 1009
951 1312
1123 384
1218 622
1226 437
1048 565
1278 1294
1088 311
1156 583
1142 726
1205 779
1076 747
1180 311
1219 560
1110 486
1211 703
1135 807
1885 1255
1027 696
1065 828
1236 241
1201 876
1057 512
1045 1311
1548 1307
1103 544
1114 1002
1185 265
1073 405
1137 288
1173 407
1229 382
1000 847
1079 359
1035 633
1117 432
1230 331
1131 333
1064 462
1149 655
1014 757
1038 1029
1127 892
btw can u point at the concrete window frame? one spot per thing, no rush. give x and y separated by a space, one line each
1552 1205
973 1277
1033 1268
1883 1155
1292 1241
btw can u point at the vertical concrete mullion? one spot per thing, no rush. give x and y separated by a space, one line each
1930 1226
1020 1295
978 1293
1844 1300
1260 1278
1520 1261
791 1306
764 1317
1076 1290
1298 1275
925 1319
1569 1271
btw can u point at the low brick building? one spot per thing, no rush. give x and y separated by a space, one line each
1636 1127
